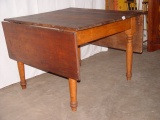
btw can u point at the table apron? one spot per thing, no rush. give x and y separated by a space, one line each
92 34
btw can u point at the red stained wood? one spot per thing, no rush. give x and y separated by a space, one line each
153 25
47 49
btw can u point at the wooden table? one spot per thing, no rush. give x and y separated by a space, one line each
50 41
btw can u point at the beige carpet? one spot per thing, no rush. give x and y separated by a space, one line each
103 93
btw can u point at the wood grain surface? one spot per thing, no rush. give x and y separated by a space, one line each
46 49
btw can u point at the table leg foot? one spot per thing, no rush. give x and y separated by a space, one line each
23 85
129 76
22 74
73 94
74 106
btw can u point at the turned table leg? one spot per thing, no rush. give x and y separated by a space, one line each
22 74
129 57
73 94
129 50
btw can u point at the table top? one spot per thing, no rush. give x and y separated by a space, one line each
74 19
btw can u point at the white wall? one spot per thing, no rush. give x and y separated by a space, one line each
13 8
